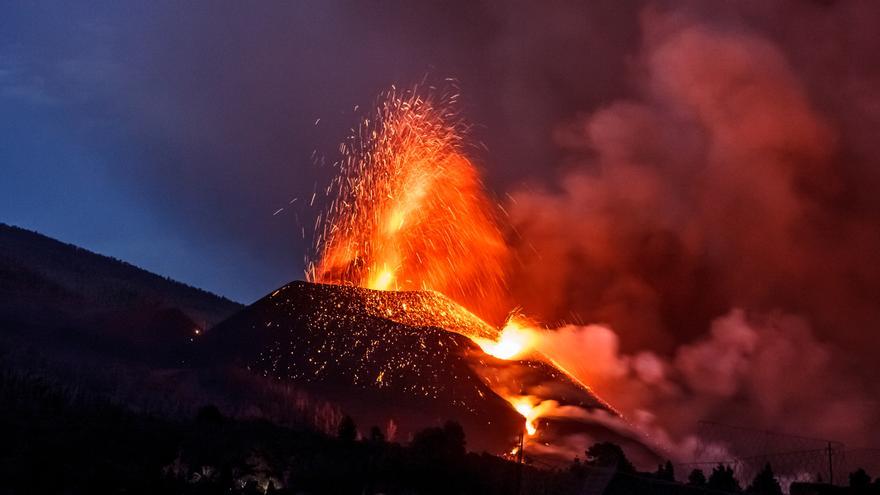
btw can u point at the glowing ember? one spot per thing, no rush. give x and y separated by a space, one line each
409 211
523 408
531 409
428 309
515 340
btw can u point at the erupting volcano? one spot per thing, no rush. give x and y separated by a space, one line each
393 323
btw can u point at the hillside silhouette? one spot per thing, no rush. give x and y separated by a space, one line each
76 281
58 297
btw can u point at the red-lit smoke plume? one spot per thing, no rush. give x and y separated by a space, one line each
700 224
719 185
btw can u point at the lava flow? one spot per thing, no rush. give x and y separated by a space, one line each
515 339
408 212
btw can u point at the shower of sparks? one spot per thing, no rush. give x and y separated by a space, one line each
321 312
408 214
408 209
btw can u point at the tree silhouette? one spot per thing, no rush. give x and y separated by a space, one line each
94 446
347 431
376 435
607 454
697 478
765 483
455 438
439 443
209 414
859 479
665 472
722 479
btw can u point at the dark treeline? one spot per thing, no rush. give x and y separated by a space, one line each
56 440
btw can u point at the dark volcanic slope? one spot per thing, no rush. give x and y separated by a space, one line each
384 355
59 298
325 337
42 274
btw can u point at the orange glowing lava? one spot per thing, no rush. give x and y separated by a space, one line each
515 340
409 211
532 409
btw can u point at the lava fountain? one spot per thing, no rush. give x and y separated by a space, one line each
408 210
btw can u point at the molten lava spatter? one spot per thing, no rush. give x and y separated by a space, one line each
516 339
408 214
406 356
408 210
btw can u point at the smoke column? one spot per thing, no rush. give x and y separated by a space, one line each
707 227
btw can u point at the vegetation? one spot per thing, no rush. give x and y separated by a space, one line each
765 483
60 441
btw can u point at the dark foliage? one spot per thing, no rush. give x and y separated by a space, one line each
765 483
209 415
607 454
56 441
723 479
347 431
376 435
860 483
665 472
859 479
697 478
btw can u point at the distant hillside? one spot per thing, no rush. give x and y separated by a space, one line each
65 303
40 275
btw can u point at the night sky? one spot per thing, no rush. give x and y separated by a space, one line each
167 135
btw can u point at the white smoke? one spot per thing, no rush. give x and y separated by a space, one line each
718 184
766 371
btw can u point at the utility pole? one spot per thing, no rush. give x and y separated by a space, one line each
830 465
519 461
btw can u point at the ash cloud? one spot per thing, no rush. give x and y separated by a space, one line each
717 218
764 371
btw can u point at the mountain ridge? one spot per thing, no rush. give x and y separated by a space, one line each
33 261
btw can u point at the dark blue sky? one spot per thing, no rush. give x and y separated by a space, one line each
167 135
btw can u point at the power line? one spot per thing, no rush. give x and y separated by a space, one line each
792 457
